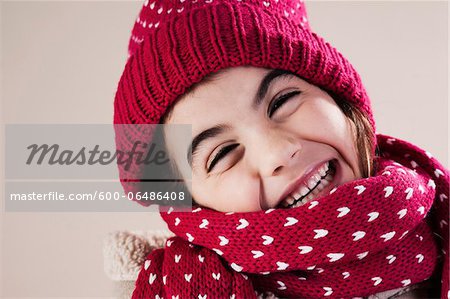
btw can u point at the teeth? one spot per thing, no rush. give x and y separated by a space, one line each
300 203
315 191
323 171
296 195
312 183
303 192
313 188
322 185
289 200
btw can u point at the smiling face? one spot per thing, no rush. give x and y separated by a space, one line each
263 139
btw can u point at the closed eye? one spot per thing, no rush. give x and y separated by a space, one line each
278 102
222 153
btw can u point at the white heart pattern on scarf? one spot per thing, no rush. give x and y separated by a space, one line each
152 278
358 235
387 236
388 190
223 241
190 237
147 264
409 192
328 291
177 258
335 256
343 211
312 204
320 233
236 267
305 249
204 223
373 216
290 221
243 224
267 240
377 280
257 253
360 189
406 282
391 258
362 255
419 258
282 265
216 276
282 285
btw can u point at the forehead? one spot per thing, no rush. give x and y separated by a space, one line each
227 81
221 88
229 90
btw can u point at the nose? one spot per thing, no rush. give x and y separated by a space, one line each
274 151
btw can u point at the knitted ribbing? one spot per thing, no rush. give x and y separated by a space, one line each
175 44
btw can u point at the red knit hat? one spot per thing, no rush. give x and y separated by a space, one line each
175 44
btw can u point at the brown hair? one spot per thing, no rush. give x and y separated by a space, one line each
364 135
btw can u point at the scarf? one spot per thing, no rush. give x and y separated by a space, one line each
366 236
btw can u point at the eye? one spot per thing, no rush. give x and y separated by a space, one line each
278 102
222 153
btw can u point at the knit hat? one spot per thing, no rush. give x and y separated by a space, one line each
176 43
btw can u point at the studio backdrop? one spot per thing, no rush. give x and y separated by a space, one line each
60 64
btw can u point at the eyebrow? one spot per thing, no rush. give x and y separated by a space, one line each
257 100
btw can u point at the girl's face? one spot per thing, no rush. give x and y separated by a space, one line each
263 139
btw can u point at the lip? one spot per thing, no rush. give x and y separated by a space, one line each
302 180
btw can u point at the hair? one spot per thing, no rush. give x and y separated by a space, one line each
364 134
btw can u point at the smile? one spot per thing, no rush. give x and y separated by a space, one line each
317 182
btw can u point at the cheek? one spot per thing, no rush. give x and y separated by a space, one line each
323 121
326 120
221 194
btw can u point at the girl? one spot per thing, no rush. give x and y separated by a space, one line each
295 195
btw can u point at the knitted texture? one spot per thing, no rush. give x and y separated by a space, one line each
366 236
124 251
175 44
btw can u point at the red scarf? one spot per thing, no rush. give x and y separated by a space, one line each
367 236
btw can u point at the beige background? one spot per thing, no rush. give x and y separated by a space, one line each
61 62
